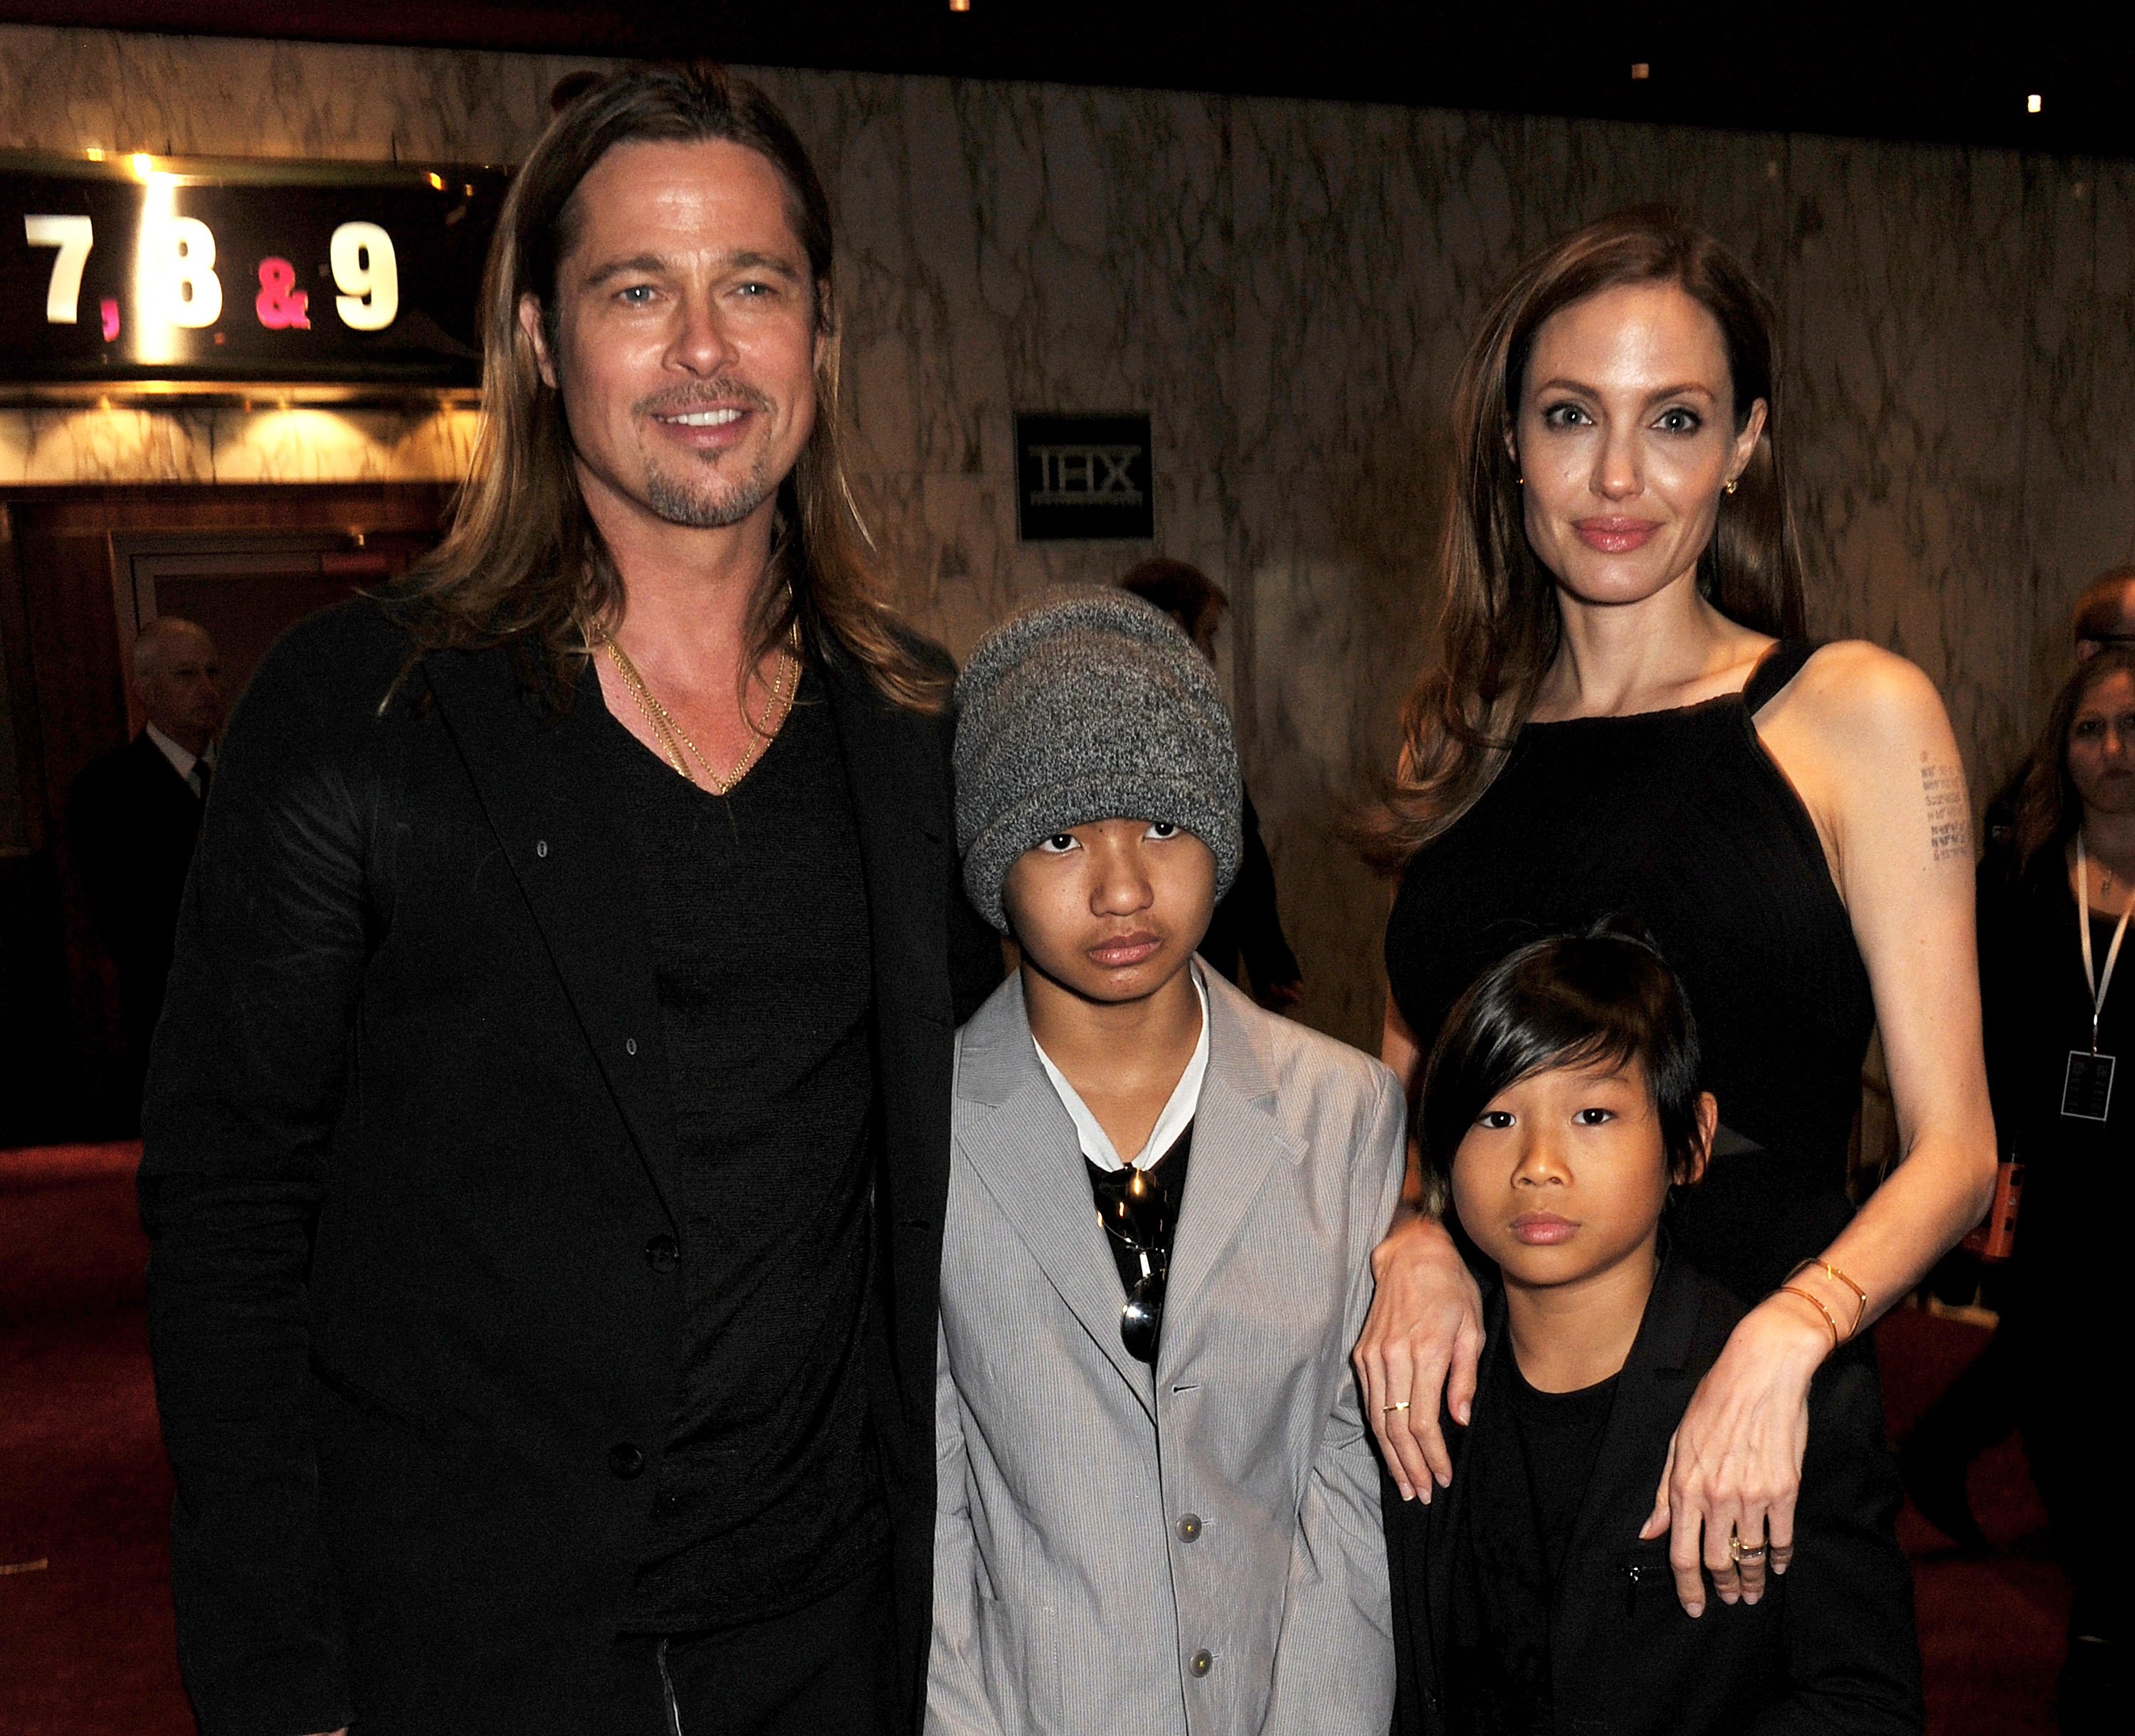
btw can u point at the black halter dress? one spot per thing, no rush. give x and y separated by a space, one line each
1682 821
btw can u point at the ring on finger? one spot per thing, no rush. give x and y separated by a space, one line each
1739 1552
1390 1409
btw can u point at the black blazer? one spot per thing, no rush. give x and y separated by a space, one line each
131 824
1831 1647
409 1147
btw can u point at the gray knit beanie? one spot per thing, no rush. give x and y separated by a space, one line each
1090 706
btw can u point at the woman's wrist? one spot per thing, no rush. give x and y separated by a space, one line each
1798 1331
1843 1301
1412 1235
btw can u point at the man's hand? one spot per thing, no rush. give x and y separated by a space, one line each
1423 1341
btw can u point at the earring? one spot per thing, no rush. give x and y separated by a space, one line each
1520 481
1731 484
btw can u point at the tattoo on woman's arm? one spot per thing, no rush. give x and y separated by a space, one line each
1949 818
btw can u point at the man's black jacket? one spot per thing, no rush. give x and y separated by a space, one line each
1830 1645
132 824
414 1294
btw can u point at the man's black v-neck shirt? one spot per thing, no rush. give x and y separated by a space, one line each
755 909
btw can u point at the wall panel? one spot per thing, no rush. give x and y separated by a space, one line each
1285 286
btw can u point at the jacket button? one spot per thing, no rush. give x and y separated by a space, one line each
1201 1662
662 1252
625 1460
630 1046
540 847
1189 1526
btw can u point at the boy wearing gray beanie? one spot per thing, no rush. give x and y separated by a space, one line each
1157 1504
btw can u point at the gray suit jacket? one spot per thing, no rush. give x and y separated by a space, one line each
1194 1550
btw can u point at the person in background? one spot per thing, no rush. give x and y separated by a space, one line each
1983 1404
1248 926
2105 613
2104 616
2059 1011
133 816
1561 1112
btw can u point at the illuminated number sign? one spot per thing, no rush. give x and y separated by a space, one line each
167 274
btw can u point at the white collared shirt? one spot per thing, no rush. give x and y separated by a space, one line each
182 761
1177 1112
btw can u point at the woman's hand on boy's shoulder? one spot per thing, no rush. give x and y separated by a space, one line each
1421 1344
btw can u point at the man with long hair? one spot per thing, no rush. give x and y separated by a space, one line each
545 1157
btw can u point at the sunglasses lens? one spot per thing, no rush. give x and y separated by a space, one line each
1141 1317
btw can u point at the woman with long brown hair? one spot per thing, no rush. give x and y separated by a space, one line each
1628 720
2053 911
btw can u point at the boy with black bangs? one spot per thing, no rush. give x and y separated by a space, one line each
1559 1108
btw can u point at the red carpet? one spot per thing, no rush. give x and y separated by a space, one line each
1991 1630
86 1641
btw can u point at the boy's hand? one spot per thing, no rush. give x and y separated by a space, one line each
1734 1466
1422 1342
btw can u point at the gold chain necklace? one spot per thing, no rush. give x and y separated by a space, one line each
674 740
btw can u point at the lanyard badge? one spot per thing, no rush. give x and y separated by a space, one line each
2087 1092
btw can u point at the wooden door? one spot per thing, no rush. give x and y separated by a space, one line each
82 570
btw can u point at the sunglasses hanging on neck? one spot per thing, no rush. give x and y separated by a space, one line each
1136 1210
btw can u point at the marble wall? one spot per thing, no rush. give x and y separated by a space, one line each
299 444
1286 286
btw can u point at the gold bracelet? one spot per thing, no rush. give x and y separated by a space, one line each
1811 1299
1860 1295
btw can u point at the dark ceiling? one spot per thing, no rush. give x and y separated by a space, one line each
1904 72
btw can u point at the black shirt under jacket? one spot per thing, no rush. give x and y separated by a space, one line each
1167 1177
756 917
131 824
412 1174
1515 1530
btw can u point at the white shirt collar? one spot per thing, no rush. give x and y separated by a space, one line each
177 754
1177 1112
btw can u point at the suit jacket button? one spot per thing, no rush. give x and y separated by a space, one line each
625 1460
1201 1662
662 1252
1189 1526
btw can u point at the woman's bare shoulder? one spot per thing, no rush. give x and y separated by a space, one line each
1859 732
1853 699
